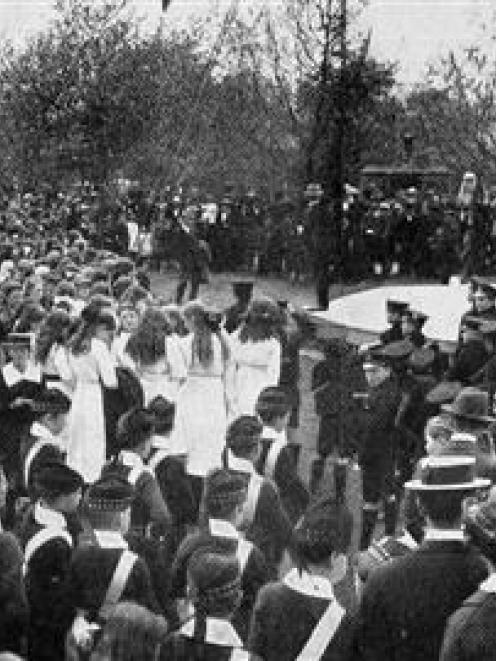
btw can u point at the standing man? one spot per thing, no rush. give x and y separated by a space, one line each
324 240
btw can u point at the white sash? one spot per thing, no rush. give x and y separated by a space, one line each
251 502
243 553
272 457
42 537
118 583
239 655
323 633
31 455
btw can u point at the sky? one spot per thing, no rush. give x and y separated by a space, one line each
413 32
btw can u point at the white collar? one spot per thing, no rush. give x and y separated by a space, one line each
46 517
12 375
131 459
160 442
437 535
308 584
239 464
40 431
489 585
110 539
271 434
221 528
219 632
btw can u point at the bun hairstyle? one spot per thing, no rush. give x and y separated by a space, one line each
93 315
263 320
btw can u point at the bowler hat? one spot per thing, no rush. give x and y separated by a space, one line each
470 404
447 473
444 392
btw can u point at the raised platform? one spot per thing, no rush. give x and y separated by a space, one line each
360 318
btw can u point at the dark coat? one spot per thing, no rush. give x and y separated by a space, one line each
293 492
392 334
470 357
405 605
182 648
471 633
283 621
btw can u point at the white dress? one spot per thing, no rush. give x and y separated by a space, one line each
253 367
165 376
201 410
57 370
86 443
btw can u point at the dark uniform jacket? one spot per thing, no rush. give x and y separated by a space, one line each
222 643
286 614
470 357
471 632
148 509
405 604
392 334
222 536
277 462
265 521
48 546
91 571
235 316
37 447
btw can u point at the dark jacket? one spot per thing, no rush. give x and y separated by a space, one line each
471 632
469 359
405 605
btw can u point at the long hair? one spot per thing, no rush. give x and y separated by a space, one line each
54 330
132 633
148 344
91 317
202 348
263 322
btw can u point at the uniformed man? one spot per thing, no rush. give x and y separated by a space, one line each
394 312
377 458
471 354
48 545
412 322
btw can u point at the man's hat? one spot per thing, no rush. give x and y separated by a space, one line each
55 478
447 473
325 528
242 288
459 443
313 190
396 307
470 404
469 322
110 493
273 401
134 427
224 487
243 434
416 317
51 401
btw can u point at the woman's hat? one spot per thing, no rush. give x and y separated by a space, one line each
273 401
244 433
216 578
110 493
470 404
447 473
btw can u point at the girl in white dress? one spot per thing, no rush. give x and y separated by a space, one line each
51 351
255 357
93 367
201 406
159 363
128 324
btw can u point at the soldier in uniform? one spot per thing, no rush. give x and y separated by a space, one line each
235 314
471 354
299 616
394 313
412 322
278 459
48 545
377 458
264 520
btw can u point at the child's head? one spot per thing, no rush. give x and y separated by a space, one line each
273 408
